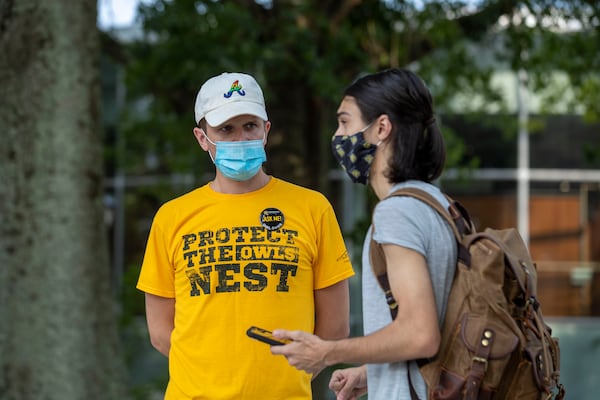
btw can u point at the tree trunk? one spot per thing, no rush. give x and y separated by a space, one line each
58 333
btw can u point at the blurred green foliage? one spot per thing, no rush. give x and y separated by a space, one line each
305 52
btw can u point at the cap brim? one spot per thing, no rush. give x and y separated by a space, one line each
230 110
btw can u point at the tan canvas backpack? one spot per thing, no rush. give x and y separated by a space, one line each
495 344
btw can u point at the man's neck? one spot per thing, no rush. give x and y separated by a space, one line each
225 185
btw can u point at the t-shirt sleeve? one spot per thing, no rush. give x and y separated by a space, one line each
402 221
157 273
333 262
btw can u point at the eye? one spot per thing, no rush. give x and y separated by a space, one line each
251 126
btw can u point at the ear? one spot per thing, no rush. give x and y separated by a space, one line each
383 127
201 138
267 130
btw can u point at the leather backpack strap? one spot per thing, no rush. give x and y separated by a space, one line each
378 266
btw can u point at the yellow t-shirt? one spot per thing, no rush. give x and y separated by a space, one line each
232 261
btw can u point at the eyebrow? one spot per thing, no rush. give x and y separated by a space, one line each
340 113
222 126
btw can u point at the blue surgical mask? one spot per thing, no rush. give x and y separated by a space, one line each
239 160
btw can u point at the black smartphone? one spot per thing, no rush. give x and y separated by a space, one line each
265 336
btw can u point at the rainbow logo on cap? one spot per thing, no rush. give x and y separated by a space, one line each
235 87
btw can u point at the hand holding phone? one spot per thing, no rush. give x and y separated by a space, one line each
265 336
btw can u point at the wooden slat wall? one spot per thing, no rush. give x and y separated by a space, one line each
555 232
554 227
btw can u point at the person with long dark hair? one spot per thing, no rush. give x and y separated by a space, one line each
388 138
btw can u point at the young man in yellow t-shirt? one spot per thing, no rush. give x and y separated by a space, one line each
245 249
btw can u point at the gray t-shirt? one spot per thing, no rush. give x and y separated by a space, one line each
407 222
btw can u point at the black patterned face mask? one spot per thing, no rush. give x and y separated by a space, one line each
355 155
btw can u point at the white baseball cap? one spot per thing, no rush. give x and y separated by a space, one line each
228 95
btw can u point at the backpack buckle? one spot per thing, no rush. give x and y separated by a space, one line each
481 360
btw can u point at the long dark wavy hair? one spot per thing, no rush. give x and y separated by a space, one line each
419 150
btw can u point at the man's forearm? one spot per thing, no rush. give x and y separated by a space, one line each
162 342
392 343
